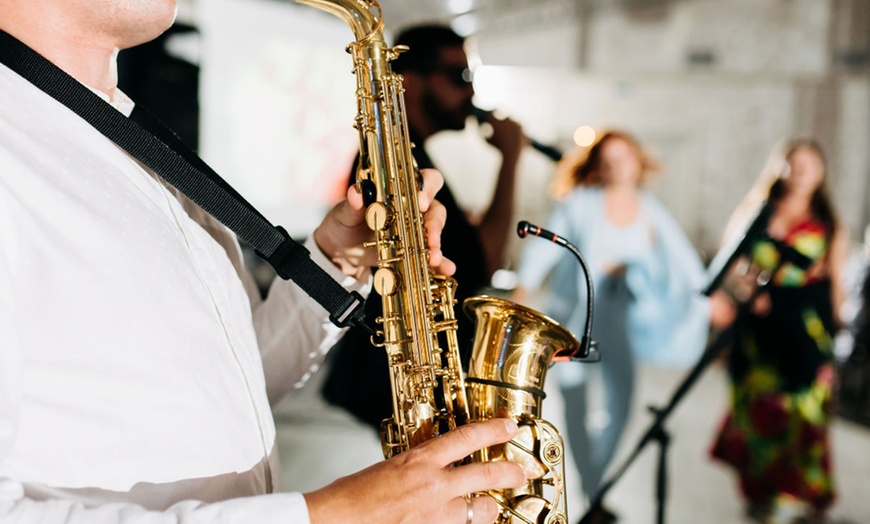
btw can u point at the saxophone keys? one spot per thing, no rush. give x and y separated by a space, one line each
395 51
443 325
552 453
384 281
378 216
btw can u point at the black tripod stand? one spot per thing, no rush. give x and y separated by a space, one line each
656 432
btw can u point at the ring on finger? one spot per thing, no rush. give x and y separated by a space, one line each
469 507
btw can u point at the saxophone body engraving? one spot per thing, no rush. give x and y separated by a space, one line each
417 330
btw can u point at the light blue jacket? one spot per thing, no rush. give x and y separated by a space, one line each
665 315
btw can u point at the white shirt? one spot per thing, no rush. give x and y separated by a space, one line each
129 364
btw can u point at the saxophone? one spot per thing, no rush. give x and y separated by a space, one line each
514 346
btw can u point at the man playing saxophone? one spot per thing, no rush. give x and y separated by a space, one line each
131 355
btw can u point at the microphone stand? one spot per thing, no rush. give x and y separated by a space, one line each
656 432
587 351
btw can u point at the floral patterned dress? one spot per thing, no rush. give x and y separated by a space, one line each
781 369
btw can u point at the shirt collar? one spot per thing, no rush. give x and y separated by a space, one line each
120 101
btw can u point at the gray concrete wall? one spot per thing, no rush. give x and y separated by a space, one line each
710 85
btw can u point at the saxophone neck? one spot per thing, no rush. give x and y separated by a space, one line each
362 16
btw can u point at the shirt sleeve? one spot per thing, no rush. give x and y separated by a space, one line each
10 345
21 502
294 331
16 506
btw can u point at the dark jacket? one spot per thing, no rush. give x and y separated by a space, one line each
358 379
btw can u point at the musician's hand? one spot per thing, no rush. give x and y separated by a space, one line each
507 136
723 310
761 305
614 270
420 486
520 295
741 280
343 231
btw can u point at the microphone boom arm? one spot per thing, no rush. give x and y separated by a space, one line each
588 348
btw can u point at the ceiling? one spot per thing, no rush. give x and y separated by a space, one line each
504 14
474 15
470 16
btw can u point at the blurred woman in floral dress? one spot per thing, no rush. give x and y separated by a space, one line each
781 362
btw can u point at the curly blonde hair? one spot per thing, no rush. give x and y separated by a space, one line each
581 166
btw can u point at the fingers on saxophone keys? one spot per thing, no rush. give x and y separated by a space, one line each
445 267
462 441
434 221
432 183
485 476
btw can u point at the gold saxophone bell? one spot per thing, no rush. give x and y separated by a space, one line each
514 346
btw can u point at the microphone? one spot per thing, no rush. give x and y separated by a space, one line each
549 151
588 348
525 228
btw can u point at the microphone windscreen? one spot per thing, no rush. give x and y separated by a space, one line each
523 228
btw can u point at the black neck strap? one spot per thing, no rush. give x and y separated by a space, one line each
153 144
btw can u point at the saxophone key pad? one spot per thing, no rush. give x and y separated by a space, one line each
378 216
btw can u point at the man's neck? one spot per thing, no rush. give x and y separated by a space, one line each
420 126
93 67
415 133
622 189
83 57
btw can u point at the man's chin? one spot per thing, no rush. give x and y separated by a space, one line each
448 121
454 125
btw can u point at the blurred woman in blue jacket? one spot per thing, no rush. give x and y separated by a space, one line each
647 280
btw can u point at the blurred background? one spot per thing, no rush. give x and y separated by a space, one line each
709 85
263 90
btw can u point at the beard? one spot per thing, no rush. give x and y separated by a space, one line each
444 118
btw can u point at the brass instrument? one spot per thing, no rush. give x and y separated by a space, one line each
513 348
514 345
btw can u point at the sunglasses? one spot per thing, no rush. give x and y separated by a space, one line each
458 76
